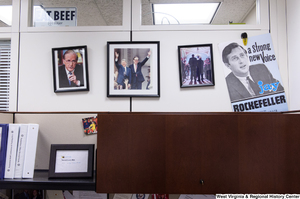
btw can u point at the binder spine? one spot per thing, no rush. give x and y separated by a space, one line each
30 151
12 142
21 151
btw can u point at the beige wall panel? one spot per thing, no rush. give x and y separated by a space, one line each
56 129
6 118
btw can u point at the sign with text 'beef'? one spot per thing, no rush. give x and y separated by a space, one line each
43 17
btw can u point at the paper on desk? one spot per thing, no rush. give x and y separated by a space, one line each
122 196
89 195
196 196
68 195
54 194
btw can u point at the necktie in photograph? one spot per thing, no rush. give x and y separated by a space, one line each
253 86
69 79
135 68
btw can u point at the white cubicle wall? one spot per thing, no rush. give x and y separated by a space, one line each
36 78
32 73
293 32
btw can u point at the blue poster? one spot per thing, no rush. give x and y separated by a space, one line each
252 75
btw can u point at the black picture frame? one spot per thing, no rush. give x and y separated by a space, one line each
22 193
190 69
71 161
137 81
60 76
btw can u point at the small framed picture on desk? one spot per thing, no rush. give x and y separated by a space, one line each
71 161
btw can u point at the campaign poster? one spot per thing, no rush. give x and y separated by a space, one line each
252 75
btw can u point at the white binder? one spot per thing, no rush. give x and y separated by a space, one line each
21 151
30 151
12 144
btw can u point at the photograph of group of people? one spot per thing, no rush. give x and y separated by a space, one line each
196 65
90 125
28 194
132 69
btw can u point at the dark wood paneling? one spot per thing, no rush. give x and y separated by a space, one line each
219 154
258 152
289 165
173 152
201 147
130 154
183 154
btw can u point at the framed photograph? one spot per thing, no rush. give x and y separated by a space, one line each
71 161
28 193
133 69
90 125
70 69
196 67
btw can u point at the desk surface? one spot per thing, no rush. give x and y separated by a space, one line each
41 181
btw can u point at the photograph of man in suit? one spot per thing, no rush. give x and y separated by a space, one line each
243 80
70 74
193 65
137 77
124 74
200 69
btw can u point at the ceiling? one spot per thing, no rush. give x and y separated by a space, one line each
110 12
234 10
230 10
